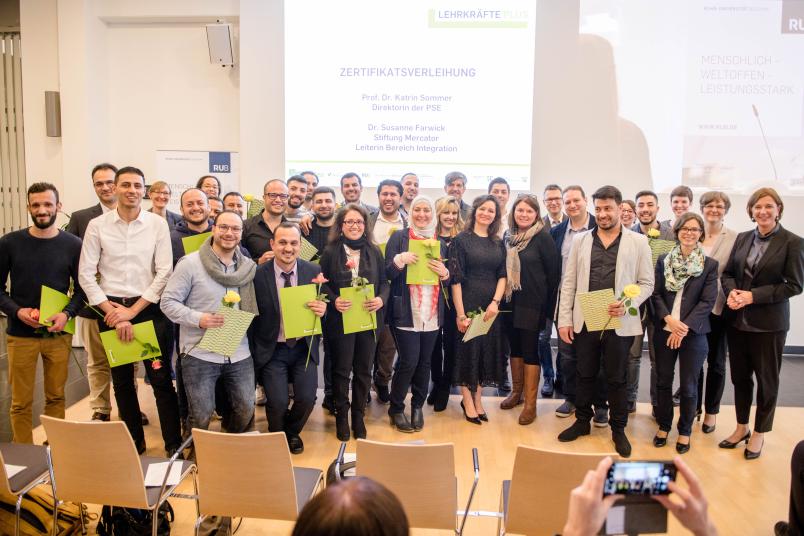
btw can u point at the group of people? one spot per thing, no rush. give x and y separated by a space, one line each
520 269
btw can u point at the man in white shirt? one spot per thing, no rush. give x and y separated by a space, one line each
130 249
554 204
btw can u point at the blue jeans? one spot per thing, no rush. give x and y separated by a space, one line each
691 356
413 368
545 352
237 379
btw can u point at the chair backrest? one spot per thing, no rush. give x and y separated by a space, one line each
540 488
95 462
421 476
245 475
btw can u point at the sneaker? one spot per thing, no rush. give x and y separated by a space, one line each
259 396
578 429
601 418
566 409
621 444
548 388
98 416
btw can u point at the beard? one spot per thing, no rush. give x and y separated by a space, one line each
44 225
295 203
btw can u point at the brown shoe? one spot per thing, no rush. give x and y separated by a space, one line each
98 416
515 398
528 414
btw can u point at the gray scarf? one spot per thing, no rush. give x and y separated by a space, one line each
242 277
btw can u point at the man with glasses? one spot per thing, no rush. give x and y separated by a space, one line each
554 205
259 229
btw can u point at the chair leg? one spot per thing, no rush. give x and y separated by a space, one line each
81 513
17 515
155 518
198 521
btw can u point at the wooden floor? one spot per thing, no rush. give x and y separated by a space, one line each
744 497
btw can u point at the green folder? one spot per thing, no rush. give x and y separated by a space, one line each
298 320
382 248
419 273
53 302
659 247
357 318
122 353
308 250
192 243
226 339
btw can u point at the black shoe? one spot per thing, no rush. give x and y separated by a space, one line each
726 444
705 428
621 444
358 426
417 419
172 451
441 401
401 423
632 407
750 454
483 417
601 418
98 416
431 397
578 429
473 420
144 419
781 528
548 388
295 444
382 394
677 398
342 425
140 446
328 404
659 442
653 412
681 448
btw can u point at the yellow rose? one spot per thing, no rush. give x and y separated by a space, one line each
654 233
632 291
248 198
231 297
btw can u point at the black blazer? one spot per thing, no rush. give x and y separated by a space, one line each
559 231
79 220
333 264
400 312
540 276
697 301
778 277
265 328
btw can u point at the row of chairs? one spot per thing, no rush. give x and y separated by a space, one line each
252 476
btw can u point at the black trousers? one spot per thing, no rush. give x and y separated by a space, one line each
413 369
691 355
443 361
612 351
352 354
755 354
287 365
167 405
384 358
569 369
796 520
715 367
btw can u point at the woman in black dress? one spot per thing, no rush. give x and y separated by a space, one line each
477 260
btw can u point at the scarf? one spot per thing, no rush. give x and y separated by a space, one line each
677 269
242 277
355 244
423 232
513 266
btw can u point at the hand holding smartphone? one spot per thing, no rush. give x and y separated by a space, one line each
639 478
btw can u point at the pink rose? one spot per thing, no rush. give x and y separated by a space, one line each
320 279
156 364
351 264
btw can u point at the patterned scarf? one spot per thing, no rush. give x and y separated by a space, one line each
677 269
513 266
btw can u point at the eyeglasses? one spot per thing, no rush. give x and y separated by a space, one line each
690 230
163 192
715 207
272 196
226 228
627 211
354 223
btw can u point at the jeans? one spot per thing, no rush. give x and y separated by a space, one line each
691 355
413 368
23 353
715 367
545 352
635 361
289 365
569 373
237 380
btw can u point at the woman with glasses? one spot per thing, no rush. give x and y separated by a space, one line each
159 193
350 255
717 243
532 275
627 213
685 292
210 185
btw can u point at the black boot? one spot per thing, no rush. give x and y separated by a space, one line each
358 426
342 424
401 423
417 419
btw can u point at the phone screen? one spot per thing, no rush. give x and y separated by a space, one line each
639 478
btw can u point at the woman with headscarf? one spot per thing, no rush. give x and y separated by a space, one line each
416 313
533 269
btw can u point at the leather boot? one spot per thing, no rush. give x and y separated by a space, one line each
528 414
515 398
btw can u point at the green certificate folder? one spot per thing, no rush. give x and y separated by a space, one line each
595 308
53 302
382 248
308 250
298 320
192 243
226 339
659 247
121 353
356 318
478 327
419 273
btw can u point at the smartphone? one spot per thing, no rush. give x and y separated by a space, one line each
639 478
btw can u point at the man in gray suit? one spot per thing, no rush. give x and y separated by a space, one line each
606 257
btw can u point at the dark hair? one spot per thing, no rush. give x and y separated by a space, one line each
643 193
356 506
335 234
297 178
221 213
630 203
681 191
574 187
551 187
288 225
684 218
303 173
714 195
324 190
498 180
494 227
608 192
214 198
390 182
528 199
101 167
408 174
351 175
452 176
759 194
41 187
237 194
129 170
200 181
181 197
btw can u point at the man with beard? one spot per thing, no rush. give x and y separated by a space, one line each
33 257
234 202
501 191
607 257
312 184
258 230
103 182
297 192
410 189
194 220
215 206
351 188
